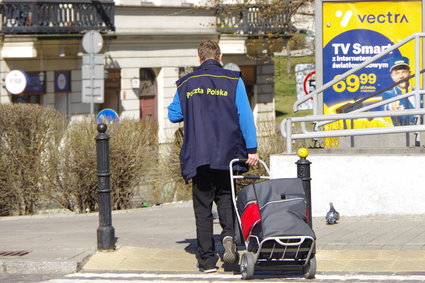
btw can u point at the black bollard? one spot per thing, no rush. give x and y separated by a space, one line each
303 172
105 232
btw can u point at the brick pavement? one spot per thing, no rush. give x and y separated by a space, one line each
163 239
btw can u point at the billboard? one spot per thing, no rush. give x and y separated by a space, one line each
355 31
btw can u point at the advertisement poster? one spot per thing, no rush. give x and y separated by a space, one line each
36 83
62 81
355 31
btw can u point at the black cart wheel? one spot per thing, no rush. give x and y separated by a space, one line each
247 265
310 269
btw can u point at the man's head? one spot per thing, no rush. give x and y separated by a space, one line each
400 69
209 50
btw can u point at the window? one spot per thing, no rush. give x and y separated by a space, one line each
148 95
35 99
183 71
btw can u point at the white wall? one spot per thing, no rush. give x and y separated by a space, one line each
154 20
166 89
361 184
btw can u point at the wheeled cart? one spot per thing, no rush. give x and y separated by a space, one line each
273 224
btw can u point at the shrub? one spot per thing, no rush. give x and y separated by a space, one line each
30 135
133 152
171 186
43 159
74 186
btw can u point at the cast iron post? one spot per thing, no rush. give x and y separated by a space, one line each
303 172
105 232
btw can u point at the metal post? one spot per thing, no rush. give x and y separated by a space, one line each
288 136
105 231
303 172
417 137
92 81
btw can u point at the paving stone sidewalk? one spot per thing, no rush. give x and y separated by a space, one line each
165 236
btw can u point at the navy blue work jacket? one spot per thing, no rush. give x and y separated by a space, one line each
212 135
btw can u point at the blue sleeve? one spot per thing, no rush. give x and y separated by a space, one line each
387 95
175 113
246 118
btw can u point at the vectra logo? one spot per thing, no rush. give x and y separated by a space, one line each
388 17
345 17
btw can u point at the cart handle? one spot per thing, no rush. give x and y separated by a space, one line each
250 177
236 160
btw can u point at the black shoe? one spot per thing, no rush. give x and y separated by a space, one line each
229 246
207 269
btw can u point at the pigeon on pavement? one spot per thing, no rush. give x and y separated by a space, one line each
332 216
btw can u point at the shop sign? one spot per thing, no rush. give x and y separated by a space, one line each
16 81
62 81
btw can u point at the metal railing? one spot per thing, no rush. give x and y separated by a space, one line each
55 16
252 20
320 120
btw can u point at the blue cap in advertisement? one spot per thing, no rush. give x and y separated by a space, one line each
400 62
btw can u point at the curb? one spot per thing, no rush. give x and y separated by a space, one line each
42 266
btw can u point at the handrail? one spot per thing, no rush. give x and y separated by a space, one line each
351 115
286 125
361 132
373 106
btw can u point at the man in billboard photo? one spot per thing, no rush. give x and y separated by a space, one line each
400 69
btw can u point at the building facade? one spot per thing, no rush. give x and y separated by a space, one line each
145 47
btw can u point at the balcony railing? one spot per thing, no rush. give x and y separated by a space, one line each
252 21
55 16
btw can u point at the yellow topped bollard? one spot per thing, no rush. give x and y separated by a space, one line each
302 152
303 172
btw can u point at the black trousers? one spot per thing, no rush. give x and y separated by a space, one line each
207 187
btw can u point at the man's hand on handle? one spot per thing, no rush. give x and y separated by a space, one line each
252 159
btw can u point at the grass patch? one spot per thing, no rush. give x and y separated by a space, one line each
285 87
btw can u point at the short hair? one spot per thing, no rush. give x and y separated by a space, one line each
209 50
